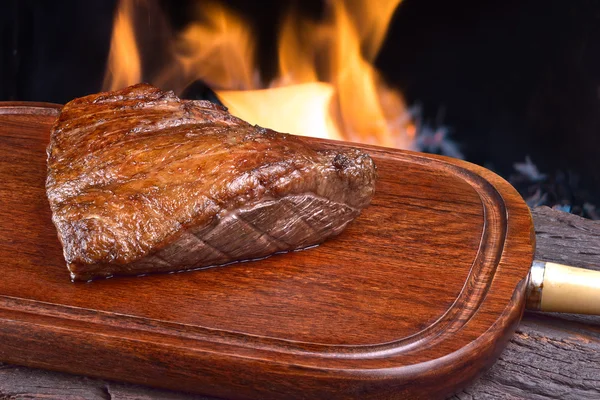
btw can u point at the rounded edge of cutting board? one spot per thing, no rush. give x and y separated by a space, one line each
29 108
223 365
449 371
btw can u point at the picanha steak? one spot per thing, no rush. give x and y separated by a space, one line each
141 181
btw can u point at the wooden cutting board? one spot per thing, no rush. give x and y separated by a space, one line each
415 299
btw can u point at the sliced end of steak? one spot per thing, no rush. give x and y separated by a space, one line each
140 181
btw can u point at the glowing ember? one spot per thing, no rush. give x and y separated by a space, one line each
327 85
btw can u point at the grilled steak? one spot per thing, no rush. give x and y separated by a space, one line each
140 181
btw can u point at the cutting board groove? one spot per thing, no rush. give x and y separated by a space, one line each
413 300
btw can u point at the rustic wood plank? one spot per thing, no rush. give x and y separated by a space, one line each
566 238
550 356
26 383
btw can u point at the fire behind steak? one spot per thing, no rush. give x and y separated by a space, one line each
140 181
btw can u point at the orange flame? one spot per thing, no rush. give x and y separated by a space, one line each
358 83
327 85
217 49
124 66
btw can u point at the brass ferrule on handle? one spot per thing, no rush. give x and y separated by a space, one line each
561 288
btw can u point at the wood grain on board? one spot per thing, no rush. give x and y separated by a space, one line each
417 297
549 356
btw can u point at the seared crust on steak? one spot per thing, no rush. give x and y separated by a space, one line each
141 181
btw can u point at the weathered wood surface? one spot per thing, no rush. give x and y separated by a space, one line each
550 356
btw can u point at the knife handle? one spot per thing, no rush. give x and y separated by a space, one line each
561 288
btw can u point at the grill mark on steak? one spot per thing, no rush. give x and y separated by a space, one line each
220 254
279 245
140 181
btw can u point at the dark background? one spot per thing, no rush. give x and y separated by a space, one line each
513 78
